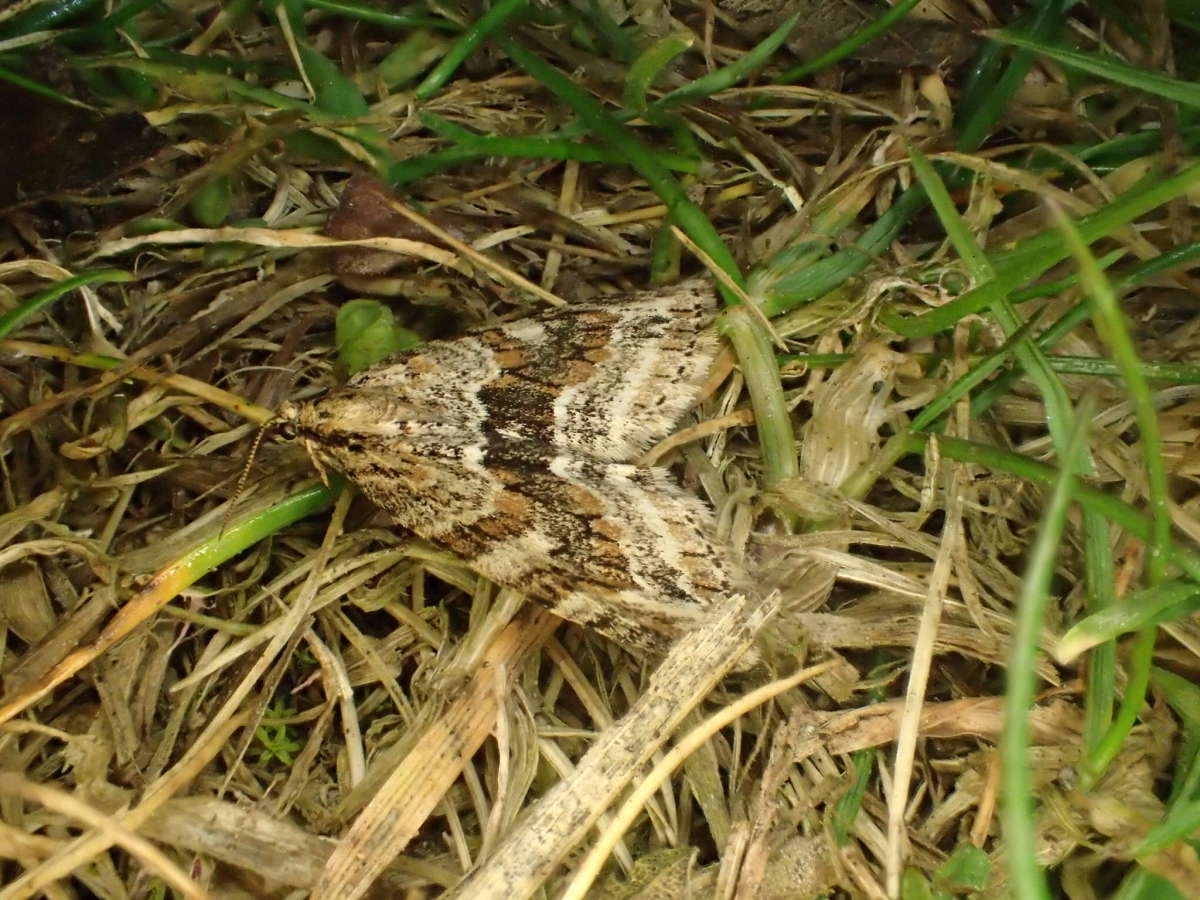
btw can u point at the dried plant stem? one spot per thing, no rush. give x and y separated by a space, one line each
201 389
386 825
480 259
529 853
918 684
65 804
585 876
211 742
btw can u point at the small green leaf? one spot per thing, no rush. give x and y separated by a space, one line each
966 869
366 333
213 203
277 740
913 886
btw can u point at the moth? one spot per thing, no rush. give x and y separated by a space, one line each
512 447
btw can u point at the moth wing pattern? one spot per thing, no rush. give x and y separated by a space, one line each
510 446
604 379
612 546
625 373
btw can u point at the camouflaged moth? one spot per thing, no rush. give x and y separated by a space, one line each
511 446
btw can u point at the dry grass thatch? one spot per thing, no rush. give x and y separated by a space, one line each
227 682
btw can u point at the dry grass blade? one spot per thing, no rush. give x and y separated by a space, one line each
56 801
689 744
504 272
111 831
271 237
559 821
439 752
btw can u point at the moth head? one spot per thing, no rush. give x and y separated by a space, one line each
285 420
287 423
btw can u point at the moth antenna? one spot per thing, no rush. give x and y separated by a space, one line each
245 475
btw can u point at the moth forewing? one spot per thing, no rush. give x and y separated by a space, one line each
512 445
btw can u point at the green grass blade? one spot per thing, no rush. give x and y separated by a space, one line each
967 382
16 317
1109 68
649 64
1018 810
1101 679
1147 608
1183 696
1110 324
814 280
618 41
1175 373
1091 499
242 535
478 32
1182 822
956 229
1054 395
860 38
684 212
532 147
45 16
1035 255
1077 315
728 76
1185 13
756 359
1113 331
109 24
334 93
820 278
375 16
36 87
986 101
